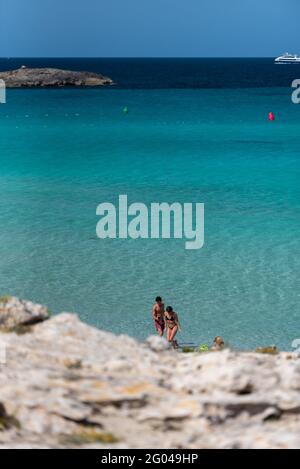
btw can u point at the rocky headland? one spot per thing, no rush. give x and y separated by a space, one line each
66 384
25 77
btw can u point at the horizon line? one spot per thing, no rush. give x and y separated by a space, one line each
136 57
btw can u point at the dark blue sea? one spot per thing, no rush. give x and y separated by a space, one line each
135 73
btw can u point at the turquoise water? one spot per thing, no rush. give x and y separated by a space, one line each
62 152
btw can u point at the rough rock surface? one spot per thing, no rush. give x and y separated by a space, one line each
51 77
66 384
15 313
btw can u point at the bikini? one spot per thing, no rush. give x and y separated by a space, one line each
171 321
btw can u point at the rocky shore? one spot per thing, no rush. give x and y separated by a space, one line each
66 384
51 77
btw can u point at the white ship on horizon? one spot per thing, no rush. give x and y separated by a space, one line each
288 59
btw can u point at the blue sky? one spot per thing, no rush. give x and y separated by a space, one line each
155 28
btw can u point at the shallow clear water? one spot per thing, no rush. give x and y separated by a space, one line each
62 152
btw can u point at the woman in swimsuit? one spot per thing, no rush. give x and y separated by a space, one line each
172 325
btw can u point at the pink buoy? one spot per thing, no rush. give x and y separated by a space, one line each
271 116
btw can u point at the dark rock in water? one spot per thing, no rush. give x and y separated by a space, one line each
51 77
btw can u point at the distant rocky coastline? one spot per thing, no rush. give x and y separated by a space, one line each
64 384
25 77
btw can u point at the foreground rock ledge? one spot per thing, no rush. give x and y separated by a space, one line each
66 384
51 77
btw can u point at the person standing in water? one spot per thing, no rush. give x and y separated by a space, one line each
158 315
218 343
172 325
